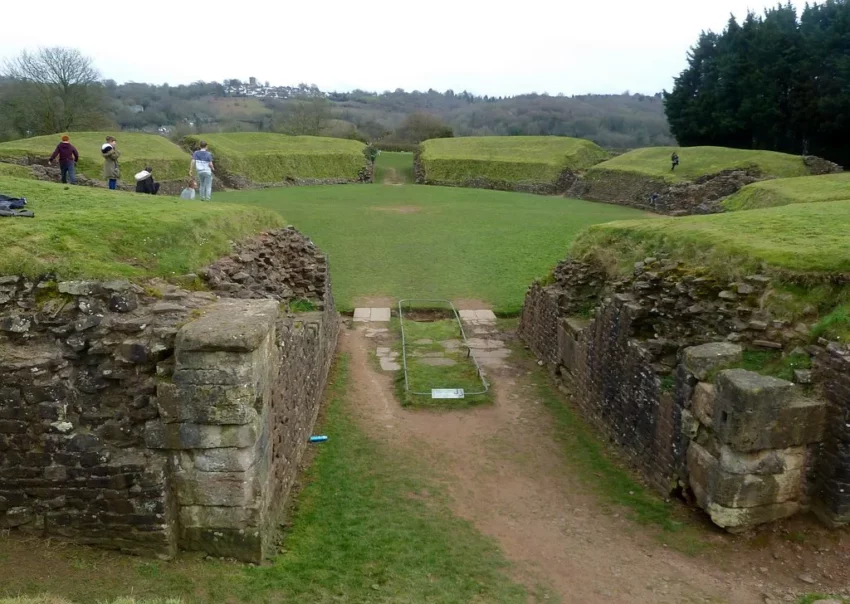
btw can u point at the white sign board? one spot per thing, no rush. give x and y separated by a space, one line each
447 393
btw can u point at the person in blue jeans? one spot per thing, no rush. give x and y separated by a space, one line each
111 170
202 163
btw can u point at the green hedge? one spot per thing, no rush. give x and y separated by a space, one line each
138 151
267 158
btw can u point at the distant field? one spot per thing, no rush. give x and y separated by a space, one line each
394 168
94 232
785 191
266 158
423 242
137 151
506 162
655 162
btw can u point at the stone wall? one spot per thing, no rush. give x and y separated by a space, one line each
644 358
150 417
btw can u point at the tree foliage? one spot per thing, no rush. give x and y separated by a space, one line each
771 82
51 90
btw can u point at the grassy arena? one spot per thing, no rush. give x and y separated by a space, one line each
168 160
509 160
264 157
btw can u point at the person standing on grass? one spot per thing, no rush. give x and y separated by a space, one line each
68 158
675 160
202 162
111 170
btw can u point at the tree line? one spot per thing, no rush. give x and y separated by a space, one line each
58 89
774 81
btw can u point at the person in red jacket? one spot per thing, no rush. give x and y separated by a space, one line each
68 158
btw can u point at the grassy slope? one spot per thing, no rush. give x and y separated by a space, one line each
360 534
394 168
264 157
507 158
11 170
654 162
424 242
92 232
785 191
137 151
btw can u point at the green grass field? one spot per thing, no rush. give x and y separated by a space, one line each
529 160
168 160
394 168
93 232
12 170
785 191
655 162
264 157
425 242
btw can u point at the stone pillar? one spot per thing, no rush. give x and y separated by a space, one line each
748 461
214 416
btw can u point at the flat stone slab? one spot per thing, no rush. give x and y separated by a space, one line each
437 362
371 315
388 364
230 325
485 343
383 351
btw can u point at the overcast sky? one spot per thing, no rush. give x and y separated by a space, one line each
491 47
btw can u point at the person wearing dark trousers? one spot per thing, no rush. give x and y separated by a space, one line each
675 160
145 182
111 170
68 158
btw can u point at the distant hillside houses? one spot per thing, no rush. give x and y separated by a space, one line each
252 88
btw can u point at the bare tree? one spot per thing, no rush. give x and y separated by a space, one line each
61 85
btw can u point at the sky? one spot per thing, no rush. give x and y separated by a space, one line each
492 47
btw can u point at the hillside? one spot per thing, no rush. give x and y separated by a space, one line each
97 233
266 158
539 164
137 151
784 191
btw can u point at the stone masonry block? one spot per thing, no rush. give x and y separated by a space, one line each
159 435
228 459
230 325
771 461
755 412
245 545
702 403
207 516
208 404
229 489
739 519
700 360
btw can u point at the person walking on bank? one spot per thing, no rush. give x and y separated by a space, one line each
675 159
68 158
202 162
111 170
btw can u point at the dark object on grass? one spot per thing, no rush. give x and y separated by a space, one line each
145 182
675 159
12 203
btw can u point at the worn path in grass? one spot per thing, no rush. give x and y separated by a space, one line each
505 470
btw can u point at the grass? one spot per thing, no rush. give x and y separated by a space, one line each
654 162
96 233
393 168
785 191
370 526
506 159
812 598
794 239
433 242
768 362
264 157
423 377
12 170
168 161
606 477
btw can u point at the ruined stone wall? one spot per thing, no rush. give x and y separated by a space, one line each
643 357
151 417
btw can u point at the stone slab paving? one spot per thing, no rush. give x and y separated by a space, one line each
489 351
372 315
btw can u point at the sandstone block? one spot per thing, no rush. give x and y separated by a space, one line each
738 519
159 435
702 403
207 516
700 360
772 461
208 404
230 325
245 545
230 459
230 489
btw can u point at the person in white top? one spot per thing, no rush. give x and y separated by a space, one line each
202 163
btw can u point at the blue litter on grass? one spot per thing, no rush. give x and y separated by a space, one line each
318 439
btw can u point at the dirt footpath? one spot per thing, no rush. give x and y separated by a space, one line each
506 473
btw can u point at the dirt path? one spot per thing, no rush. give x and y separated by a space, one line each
505 473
